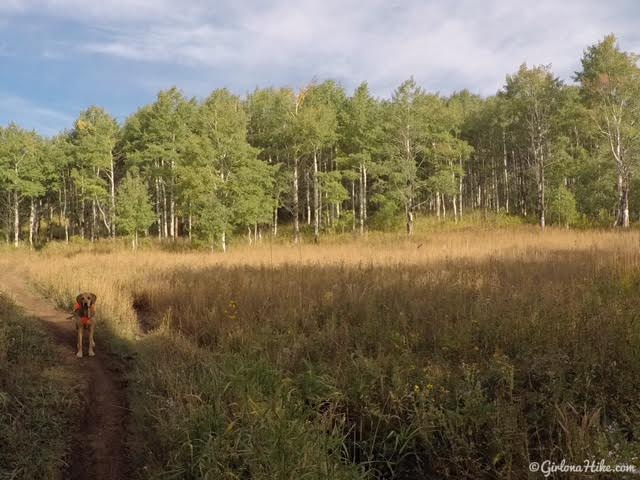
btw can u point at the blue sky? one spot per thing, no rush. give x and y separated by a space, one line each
57 57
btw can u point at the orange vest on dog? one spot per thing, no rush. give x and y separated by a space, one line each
86 321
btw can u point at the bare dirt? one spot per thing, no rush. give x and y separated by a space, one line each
97 445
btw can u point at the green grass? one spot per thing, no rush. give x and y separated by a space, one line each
460 370
463 354
39 400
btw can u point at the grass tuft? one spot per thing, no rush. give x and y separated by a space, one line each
459 353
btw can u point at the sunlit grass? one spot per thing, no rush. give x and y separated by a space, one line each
40 400
461 352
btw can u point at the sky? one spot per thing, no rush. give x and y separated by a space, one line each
57 57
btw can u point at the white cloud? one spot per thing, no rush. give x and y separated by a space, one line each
445 45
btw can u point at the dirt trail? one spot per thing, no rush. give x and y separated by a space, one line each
98 444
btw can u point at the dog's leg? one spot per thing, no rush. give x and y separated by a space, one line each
79 330
92 344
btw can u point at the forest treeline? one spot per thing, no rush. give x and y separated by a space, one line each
206 170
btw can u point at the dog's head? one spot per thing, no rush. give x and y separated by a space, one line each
86 300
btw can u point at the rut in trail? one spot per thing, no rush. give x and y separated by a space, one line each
97 445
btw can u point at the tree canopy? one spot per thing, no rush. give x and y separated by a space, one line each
322 159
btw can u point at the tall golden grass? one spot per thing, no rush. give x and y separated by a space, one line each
40 399
462 354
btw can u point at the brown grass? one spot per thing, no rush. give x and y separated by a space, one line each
40 399
464 354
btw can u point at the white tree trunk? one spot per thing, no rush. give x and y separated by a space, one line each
296 203
112 184
275 220
16 219
172 204
455 209
32 221
505 173
316 200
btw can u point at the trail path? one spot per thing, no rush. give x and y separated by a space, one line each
98 443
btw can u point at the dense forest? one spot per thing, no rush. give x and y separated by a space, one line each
323 161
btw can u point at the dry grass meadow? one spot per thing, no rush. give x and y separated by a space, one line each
455 354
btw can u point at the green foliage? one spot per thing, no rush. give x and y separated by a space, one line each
610 86
251 187
134 209
93 166
317 120
422 148
218 166
562 207
332 187
22 170
388 214
240 189
269 433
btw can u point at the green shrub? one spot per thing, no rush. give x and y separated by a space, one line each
388 216
562 209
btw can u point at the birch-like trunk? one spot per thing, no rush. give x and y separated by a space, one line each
172 204
353 205
496 193
7 233
625 204
158 213
455 210
275 219
296 203
505 173
308 213
364 191
82 217
363 197
316 199
112 185
460 190
63 212
409 214
93 220
165 213
16 219
541 191
32 221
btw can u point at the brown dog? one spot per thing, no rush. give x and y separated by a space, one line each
84 315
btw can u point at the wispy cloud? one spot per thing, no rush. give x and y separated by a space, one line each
447 45
31 116
140 45
108 10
